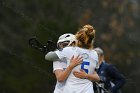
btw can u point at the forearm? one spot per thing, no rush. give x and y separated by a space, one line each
83 75
93 77
119 79
64 75
118 85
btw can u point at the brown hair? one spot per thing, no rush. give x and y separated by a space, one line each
85 37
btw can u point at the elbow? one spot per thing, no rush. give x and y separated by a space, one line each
98 78
59 79
95 78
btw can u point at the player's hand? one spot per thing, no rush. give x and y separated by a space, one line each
76 61
82 74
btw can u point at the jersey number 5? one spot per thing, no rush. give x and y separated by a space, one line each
83 66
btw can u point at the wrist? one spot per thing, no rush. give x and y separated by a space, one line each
70 67
86 76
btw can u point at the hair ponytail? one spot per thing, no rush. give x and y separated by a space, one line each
85 37
90 32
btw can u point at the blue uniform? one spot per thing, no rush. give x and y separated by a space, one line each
110 77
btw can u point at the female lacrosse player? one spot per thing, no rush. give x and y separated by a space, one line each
84 48
60 68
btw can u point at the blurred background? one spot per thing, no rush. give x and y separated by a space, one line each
24 70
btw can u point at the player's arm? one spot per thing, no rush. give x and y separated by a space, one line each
58 54
51 56
55 55
83 75
62 75
114 73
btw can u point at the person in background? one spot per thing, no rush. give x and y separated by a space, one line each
110 78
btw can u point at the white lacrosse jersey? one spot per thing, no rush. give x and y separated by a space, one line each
59 64
90 60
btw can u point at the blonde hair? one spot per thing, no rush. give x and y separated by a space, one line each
85 37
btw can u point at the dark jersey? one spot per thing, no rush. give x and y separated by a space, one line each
111 78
